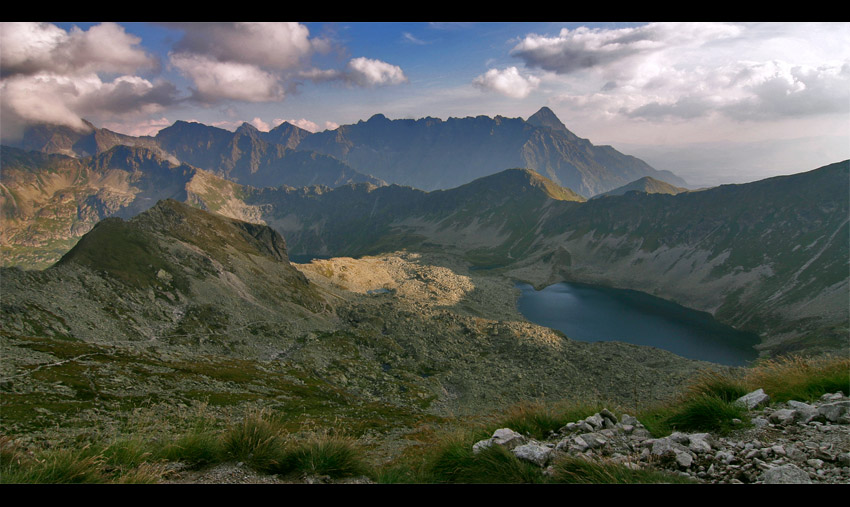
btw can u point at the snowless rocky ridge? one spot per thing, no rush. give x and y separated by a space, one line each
788 443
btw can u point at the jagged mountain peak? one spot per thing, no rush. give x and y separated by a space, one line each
545 117
247 129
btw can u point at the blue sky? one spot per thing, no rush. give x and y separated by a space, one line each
713 102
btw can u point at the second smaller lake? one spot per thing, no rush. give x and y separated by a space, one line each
592 313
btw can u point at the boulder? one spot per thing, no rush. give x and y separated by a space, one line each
837 411
803 412
786 474
782 416
754 399
533 452
504 437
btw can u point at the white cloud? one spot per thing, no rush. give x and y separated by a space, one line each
270 45
215 80
368 72
674 71
409 37
364 72
587 48
508 82
55 76
260 124
30 48
307 125
64 100
147 127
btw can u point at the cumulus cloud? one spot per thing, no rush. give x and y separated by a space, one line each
260 124
215 80
508 82
585 48
674 71
31 48
253 62
56 76
795 92
64 100
268 45
361 71
368 72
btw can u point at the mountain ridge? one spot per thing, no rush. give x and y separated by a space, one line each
426 153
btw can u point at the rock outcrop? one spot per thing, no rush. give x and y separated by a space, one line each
788 443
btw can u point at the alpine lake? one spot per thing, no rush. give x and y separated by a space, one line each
593 313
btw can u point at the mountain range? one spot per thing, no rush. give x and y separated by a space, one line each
428 153
766 256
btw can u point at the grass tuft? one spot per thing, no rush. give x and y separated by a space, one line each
455 462
56 467
537 420
796 378
257 440
325 454
577 470
197 449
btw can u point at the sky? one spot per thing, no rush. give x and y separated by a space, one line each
713 102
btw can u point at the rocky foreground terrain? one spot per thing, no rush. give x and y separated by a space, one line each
791 443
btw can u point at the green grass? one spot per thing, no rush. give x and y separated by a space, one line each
197 448
575 470
324 454
257 440
537 420
453 461
709 402
796 378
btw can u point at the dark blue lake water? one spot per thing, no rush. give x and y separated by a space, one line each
592 313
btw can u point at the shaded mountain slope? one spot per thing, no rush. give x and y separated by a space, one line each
648 185
246 158
430 153
173 274
49 201
769 256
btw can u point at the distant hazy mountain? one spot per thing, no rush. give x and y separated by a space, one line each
647 185
430 153
247 156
